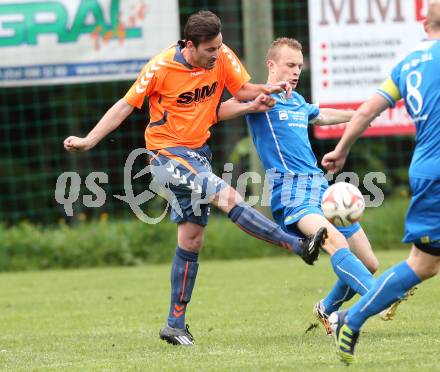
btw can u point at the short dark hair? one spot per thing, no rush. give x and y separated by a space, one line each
202 26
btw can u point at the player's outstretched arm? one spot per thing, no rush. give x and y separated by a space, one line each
111 120
365 114
250 91
329 116
232 108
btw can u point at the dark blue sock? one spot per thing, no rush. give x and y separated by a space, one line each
254 223
183 278
389 287
339 294
352 271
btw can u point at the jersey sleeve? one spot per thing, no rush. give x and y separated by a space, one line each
313 111
145 84
390 87
250 118
234 72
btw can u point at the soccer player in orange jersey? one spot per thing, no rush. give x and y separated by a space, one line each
184 85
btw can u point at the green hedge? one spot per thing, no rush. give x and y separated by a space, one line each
131 242
124 242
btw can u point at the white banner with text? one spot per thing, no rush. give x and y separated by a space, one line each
354 44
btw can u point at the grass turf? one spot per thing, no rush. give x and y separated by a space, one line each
245 315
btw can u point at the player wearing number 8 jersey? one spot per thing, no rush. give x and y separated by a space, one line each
416 79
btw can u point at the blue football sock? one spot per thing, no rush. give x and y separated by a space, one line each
259 226
352 271
183 278
389 287
339 294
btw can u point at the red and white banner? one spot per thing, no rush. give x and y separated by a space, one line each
392 122
354 44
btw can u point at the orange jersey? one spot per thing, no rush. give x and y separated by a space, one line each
184 99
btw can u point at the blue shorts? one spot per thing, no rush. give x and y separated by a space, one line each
422 224
186 178
296 196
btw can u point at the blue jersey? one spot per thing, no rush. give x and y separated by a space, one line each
281 137
416 79
282 142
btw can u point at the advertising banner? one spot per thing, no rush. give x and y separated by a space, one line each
354 44
70 41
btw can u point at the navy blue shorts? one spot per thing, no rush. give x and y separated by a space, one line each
186 177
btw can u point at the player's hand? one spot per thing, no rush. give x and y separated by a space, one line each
73 143
262 103
281 86
334 161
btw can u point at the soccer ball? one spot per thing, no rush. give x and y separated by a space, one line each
343 204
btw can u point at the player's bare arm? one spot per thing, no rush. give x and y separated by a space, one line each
233 108
365 114
329 116
111 120
249 91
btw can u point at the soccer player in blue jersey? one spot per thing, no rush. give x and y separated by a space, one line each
416 80
281 138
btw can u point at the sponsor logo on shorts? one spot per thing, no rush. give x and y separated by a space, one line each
296 215
425 239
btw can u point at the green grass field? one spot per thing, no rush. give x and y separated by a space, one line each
245 315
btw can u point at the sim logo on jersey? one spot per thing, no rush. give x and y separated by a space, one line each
198 95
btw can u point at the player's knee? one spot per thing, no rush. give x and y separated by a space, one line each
192 243
372 264
424 264
227 198
429 271
335 240
190 237
234 197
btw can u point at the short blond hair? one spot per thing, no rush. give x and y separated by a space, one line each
433 17
277 44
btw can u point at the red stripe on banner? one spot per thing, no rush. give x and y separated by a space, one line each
420 9
393 122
